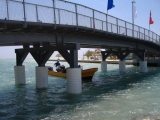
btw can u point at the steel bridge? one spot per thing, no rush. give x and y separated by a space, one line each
30 23
64 25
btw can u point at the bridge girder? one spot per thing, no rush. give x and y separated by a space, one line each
13 33
123 53
42 54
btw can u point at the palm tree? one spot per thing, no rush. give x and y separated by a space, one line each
88 54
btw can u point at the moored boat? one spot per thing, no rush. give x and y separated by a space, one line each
87 73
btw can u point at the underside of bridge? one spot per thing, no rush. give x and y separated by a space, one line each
14 33
42 39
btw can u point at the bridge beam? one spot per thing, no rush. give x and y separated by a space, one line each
41 57
71 57
121 54
50 48
20 57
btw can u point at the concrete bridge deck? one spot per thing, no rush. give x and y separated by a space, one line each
66 28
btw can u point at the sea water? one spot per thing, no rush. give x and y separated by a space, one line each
109 95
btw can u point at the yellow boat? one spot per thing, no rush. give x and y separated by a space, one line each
87 73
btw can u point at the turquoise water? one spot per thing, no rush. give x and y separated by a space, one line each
109 96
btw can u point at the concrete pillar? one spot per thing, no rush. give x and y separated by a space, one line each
104 66
122 66
19 73
143 66
41 77
74 80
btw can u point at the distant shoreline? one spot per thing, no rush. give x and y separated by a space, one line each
128 62
151 63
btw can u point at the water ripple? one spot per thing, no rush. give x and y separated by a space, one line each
110 95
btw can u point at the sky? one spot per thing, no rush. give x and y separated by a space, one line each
122 10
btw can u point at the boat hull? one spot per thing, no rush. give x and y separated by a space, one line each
86 74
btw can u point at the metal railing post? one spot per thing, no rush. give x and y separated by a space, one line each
106 22
117 25
149 34
144 34
139 31
90 22
76 16
54 11
93 20
102 25
126 27
156 37
7 9
133 30
152 36
59 16
111 28
37 14
24 10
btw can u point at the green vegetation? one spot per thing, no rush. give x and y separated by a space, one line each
88 54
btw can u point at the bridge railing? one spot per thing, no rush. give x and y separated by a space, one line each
68 13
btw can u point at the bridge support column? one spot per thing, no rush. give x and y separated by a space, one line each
122 66
74 80
19 72
74 74
142 63
143 66
41 77
104 66
41 56
19 69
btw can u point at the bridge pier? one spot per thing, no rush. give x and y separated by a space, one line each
121 54
105 54
19 69
19 72
41 54
41 57
104 66
122 66
41 77
74 80
74 74
143 66
142 63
